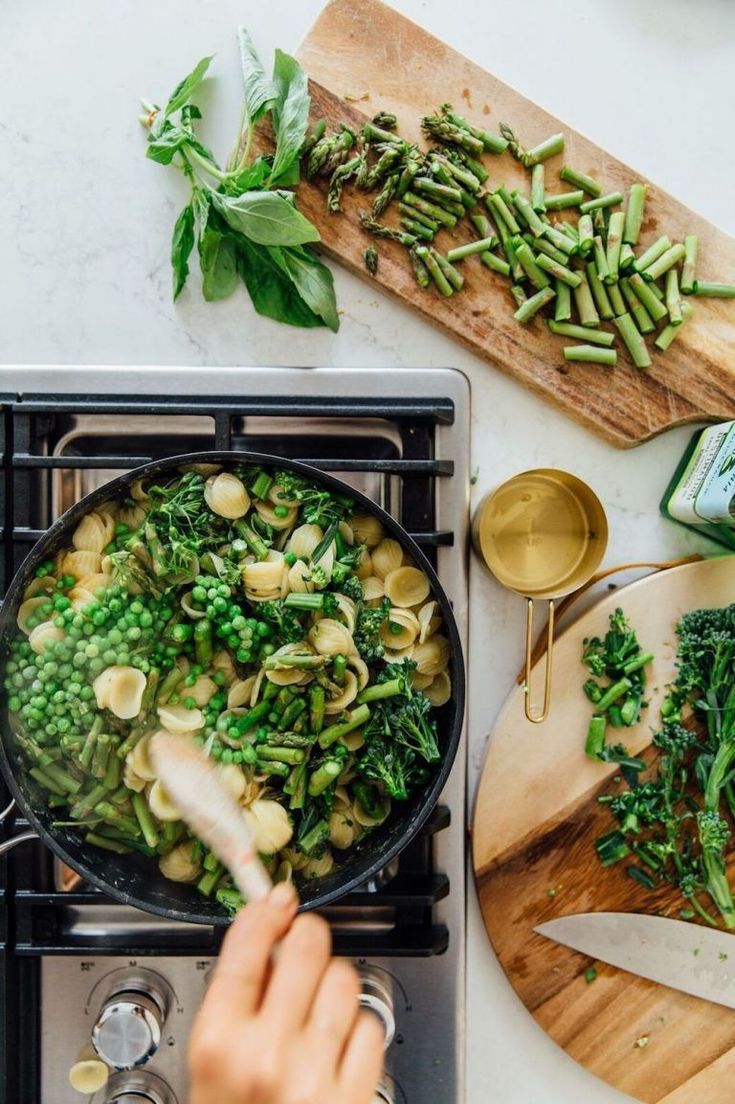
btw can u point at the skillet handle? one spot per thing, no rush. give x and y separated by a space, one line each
24 837
537 718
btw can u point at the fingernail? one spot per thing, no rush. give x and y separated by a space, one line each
282 895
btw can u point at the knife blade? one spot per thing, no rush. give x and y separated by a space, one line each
693 959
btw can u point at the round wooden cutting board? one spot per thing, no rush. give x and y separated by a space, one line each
535 823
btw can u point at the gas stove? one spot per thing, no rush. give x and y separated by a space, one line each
76 966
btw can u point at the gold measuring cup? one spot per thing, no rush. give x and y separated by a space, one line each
543 534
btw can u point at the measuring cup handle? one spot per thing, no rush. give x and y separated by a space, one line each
537 718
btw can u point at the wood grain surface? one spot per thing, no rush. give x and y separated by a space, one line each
366 51
535 822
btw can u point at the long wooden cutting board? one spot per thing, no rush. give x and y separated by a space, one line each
535 822
366 51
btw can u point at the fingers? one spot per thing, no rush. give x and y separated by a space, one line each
333 1013
362 1064
239 977
302 959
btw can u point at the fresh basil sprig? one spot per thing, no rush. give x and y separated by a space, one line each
246 225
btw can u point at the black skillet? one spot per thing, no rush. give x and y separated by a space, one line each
135 879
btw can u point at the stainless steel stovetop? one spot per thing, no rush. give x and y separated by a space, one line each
373 427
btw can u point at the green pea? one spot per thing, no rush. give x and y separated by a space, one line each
190 703
290 558
268 649
238 622
216 751
219 678
280 511
227 755
249 754
263 629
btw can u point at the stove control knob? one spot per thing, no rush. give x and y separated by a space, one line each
128 1028
138 1087
377 997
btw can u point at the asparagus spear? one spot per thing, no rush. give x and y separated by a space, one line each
490 142
563 200
691 244
706 290
531 307
634 214
633 341
591 354
440 128
370 257
538 197
563 302
669 333
580 180
673 299
582 333
434 271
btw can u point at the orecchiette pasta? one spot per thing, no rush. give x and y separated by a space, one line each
304 540
44 635
161 803
120 689
90 534
240 692
429 620
406 586
139 761
278 517
178 719
367 529
400 629
299 578
80 563
387 556
319 866
27 611
432 656
225 495
182 863
329 637
364 567
264 578
349 693
269 825
372 589
439 690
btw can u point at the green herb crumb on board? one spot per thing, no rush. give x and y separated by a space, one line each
674 820
243 216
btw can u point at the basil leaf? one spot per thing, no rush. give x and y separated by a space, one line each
168 142
252 177
272 292
313 281
188 113
290 111
182 244
183 90
218 262
259 90
202 209
268 218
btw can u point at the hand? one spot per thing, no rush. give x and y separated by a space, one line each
288 1031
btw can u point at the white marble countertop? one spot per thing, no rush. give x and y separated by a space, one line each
85 224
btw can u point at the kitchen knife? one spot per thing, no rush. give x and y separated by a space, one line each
684 956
